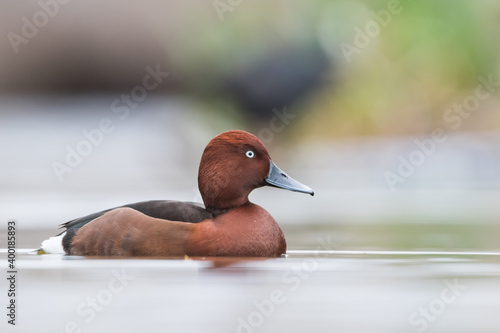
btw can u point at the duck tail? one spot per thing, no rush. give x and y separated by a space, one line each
53 245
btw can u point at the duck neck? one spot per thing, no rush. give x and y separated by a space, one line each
223 205
217 211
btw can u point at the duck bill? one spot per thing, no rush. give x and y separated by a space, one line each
278 178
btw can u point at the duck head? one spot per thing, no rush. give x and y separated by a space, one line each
233 164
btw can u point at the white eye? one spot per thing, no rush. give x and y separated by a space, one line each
250 154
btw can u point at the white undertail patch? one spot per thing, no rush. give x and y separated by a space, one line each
53 245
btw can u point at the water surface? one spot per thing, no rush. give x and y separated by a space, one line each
309 290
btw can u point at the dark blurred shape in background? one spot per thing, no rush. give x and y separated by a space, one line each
83 49
90 49
281 79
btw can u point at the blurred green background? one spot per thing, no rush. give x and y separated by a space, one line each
423 57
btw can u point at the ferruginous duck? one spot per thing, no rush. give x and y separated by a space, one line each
233 164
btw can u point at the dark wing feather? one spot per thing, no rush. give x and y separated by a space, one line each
163 209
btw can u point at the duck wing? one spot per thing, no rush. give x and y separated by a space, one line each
164 209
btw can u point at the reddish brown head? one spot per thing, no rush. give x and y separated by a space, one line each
233 164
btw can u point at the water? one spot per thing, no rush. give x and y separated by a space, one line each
315 291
